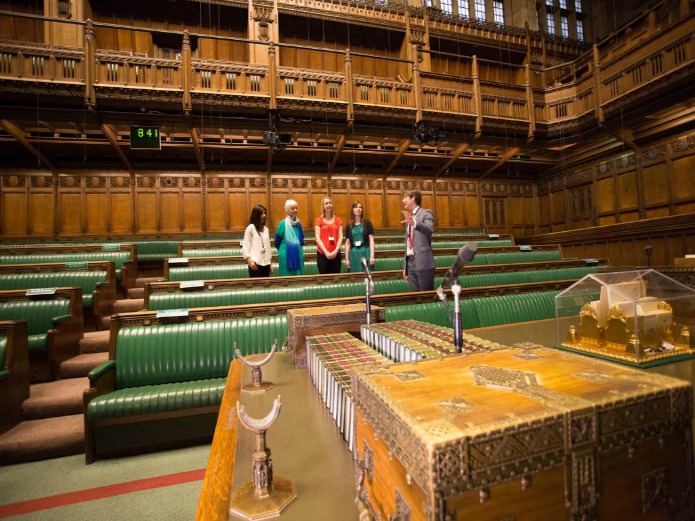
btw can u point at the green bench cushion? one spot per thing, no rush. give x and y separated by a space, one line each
37 343
87 280
482 311
151 399
152 355
39 314
156 250
118 257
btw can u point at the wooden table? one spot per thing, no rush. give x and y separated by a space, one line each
306 446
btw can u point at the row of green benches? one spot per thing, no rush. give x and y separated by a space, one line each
236 271
311 248
124 257
159 249
97 279
55 326
244 296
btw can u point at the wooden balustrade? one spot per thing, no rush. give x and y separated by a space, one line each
635 58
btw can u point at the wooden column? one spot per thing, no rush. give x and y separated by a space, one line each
417 91
272 77
186 73
349 88
477 98
597 86
90 44
530 104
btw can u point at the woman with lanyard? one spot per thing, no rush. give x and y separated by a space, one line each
289 238
256 245
359 240
329 238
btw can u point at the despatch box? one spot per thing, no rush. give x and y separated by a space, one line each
522 434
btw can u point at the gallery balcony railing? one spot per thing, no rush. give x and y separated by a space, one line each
619 70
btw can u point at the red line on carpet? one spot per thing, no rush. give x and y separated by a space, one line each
90 494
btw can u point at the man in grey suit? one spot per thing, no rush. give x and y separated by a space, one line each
418 267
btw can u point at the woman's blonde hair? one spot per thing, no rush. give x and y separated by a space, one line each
323 211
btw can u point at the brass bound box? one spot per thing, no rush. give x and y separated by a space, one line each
522 434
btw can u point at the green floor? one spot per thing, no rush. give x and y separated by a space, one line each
40 479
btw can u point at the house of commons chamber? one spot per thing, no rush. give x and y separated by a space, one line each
438 256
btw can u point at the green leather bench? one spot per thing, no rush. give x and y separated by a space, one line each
97 280
240 270
227 271
14 372
124 256
164 381
482 311
244 296
55 327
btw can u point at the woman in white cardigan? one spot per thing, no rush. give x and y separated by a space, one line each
256 246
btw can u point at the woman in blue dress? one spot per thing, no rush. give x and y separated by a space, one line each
359 240
289 238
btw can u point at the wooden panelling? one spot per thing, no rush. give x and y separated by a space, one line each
544 209
472 211
193 212
70 205
684 178
14 215
607 219
146 211
121 213
557 206
375 210
239 210
218 211
605 195
170 212
441 211
627 217
627 190
97 213
684 208
516 211
662 211
394 207
655 179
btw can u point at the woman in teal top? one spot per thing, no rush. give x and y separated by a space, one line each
289 238
359 240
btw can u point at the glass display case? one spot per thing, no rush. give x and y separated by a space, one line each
638 317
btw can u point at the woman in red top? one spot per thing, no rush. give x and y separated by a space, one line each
329 238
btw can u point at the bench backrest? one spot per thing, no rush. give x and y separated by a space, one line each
118 257
87 280
39 314
157 354
482 311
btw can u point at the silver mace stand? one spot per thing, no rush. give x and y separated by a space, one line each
257 385
266 496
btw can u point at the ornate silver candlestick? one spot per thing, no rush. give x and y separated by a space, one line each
266 496
257 384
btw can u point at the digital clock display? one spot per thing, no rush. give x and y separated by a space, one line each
145 138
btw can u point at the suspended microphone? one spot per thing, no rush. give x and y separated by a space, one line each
465 255
367 274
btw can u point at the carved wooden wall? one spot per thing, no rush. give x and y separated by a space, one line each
117 204
656 182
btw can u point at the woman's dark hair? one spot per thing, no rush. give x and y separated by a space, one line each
256 215
352 212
